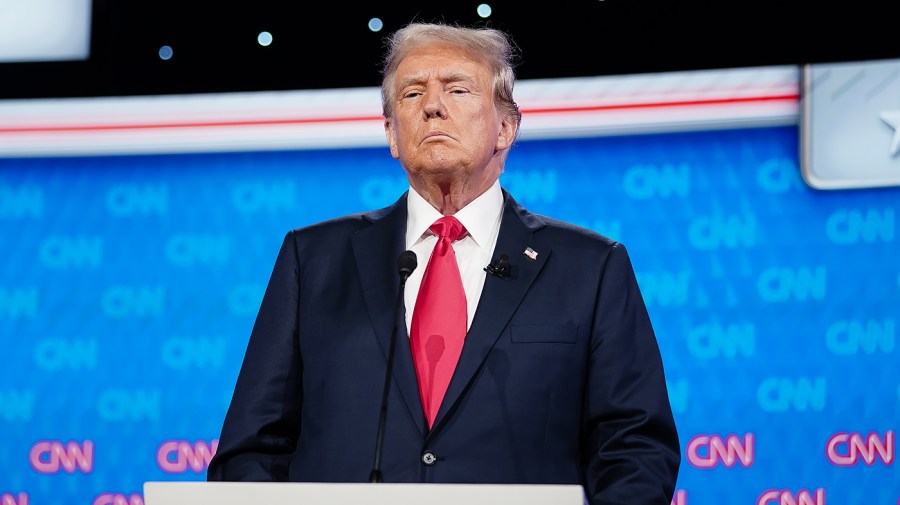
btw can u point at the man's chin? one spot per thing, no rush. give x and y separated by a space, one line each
438 168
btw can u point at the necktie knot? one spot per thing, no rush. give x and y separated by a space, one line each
448 227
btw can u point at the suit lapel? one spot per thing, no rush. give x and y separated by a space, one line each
499 298
376 249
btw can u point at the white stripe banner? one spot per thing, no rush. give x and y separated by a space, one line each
311 119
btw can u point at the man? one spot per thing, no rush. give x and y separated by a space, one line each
543 369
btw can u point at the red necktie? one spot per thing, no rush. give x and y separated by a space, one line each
439 319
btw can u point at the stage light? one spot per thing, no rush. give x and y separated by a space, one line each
264 38
165 52
484 10
45 30
375 25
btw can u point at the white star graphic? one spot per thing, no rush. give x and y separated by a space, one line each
892 117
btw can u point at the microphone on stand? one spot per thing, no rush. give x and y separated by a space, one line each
406 263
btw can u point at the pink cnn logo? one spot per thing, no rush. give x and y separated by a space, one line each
118 499
707 451
47 456
784 497
680 497
846 449
175 456
18 499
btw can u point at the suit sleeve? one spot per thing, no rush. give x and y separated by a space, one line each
262 424
632 453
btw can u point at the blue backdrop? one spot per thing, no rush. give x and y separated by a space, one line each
129 285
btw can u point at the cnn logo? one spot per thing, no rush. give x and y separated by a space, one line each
176 456
118 499
848 449
17 499
708 451
51 456
784 497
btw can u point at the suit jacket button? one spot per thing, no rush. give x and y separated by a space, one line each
428 458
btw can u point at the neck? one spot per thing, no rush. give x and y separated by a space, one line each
448 197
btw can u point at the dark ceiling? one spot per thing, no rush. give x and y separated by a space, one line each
329 46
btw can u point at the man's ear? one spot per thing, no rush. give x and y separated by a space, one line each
507 134
391 135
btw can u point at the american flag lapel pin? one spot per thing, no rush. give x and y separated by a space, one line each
531 253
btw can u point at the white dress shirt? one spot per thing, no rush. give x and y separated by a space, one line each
481 218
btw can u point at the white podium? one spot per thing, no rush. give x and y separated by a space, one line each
244 493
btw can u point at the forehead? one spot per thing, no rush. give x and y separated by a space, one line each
440 61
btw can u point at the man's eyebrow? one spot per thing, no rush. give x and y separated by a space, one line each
443 77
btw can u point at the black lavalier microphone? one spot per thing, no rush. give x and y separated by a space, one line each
499 268
406 263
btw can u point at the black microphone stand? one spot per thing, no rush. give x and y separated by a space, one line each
406 264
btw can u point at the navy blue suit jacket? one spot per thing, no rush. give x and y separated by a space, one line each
560 379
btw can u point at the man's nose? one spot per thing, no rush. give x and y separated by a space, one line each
434 106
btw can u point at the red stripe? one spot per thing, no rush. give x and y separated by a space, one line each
654 105
351 119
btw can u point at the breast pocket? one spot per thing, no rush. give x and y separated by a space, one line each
544 333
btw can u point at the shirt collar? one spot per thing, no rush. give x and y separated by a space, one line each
480 216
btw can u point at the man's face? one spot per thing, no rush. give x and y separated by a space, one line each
445 122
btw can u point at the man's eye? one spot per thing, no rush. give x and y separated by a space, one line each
411 94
